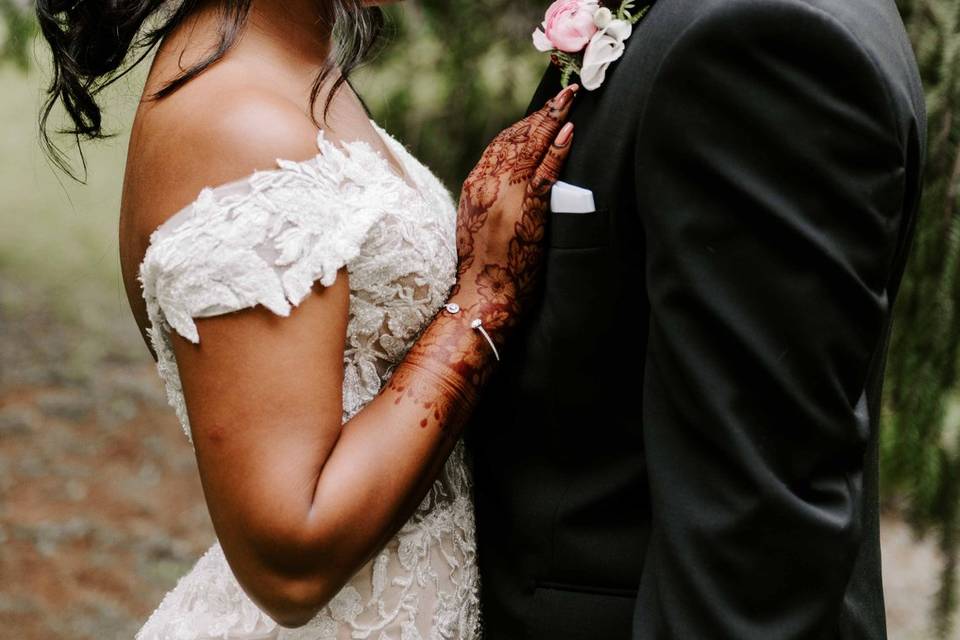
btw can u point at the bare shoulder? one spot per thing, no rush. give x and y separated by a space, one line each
210 132
216 129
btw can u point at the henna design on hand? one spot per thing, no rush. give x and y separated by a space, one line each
500 256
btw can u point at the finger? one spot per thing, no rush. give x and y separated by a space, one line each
548 121
559 101
558 108
548 172
554 112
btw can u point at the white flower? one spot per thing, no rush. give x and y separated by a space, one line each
602 17
605 46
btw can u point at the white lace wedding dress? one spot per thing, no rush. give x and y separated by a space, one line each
265 240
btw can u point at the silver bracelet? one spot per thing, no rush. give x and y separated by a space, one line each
476 323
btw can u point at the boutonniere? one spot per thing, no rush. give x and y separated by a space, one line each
583 37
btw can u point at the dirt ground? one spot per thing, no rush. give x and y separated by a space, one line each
100 504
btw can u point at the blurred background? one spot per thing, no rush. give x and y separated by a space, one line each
100 505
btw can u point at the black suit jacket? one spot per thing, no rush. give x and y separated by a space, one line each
683 441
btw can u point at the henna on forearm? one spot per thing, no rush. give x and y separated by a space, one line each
444 371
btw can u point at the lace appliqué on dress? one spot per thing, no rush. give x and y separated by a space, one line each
265 241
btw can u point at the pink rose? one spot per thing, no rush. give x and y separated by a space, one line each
568 26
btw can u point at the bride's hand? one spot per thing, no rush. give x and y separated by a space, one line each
502 215
500 230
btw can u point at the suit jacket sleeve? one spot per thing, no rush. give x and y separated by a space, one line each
771 178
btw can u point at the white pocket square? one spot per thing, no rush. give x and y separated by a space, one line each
568 198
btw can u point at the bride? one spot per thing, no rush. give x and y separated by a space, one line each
323 322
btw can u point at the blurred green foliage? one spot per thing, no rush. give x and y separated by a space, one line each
455 72
921 435
18 30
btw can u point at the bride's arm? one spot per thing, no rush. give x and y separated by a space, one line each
300 502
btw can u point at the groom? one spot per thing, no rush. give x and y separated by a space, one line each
683 442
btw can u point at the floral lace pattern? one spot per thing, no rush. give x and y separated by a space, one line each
266 240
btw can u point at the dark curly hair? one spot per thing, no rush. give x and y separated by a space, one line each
96 42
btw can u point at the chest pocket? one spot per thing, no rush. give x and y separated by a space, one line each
578 230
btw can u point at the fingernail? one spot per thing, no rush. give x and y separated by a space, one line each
564 136
565 96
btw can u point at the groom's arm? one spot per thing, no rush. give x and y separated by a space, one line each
770 175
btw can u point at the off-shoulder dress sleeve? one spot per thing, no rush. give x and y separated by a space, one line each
264 241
